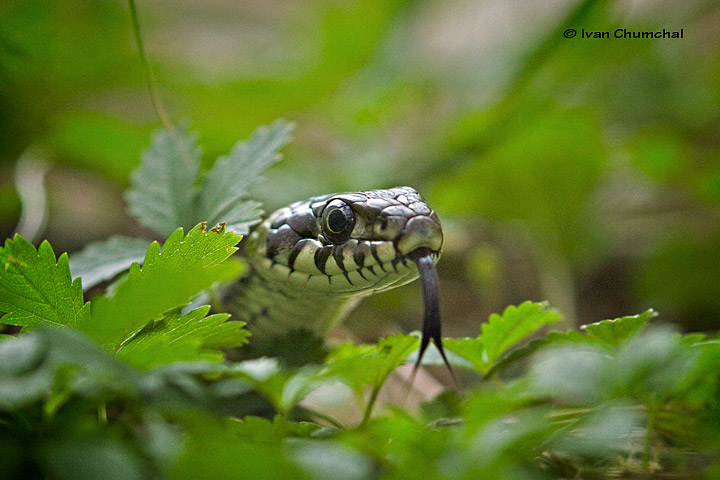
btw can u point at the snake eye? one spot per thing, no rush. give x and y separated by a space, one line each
338 221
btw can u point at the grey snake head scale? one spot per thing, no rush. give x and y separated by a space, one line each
313 260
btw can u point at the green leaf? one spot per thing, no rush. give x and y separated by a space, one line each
100 261
283 388
360 366
501 332
229 182
168 278
162 193
37 290
193 336
613 332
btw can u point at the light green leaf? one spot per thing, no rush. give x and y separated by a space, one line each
168 278
162 193
190 337
100 261
613 332
229 182
501 332
37 290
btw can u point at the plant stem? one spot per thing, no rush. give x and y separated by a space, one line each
371 404
649 425
102 413
150 78
328 418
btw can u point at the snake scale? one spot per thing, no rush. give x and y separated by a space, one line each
312 261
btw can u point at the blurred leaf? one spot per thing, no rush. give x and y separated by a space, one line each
683 275
604 432
284 388
96 141
613 332
229 181
220 449
168 278
100 261
660 154
331 461
501 332
37 362
35 290
91 458
22 381
162 192
542 170
652 366
193 336
360 366
517 433
264 430
571 374
552 338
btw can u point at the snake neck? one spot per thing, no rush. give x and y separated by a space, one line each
276 312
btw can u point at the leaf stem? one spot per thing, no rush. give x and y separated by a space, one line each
149 77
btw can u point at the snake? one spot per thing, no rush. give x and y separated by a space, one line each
311 262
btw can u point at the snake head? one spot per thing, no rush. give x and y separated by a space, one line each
347 243
350 245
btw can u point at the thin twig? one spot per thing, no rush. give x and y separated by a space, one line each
150 78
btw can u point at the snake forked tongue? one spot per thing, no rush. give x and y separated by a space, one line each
432 324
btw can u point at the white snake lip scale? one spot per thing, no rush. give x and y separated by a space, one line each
312 261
